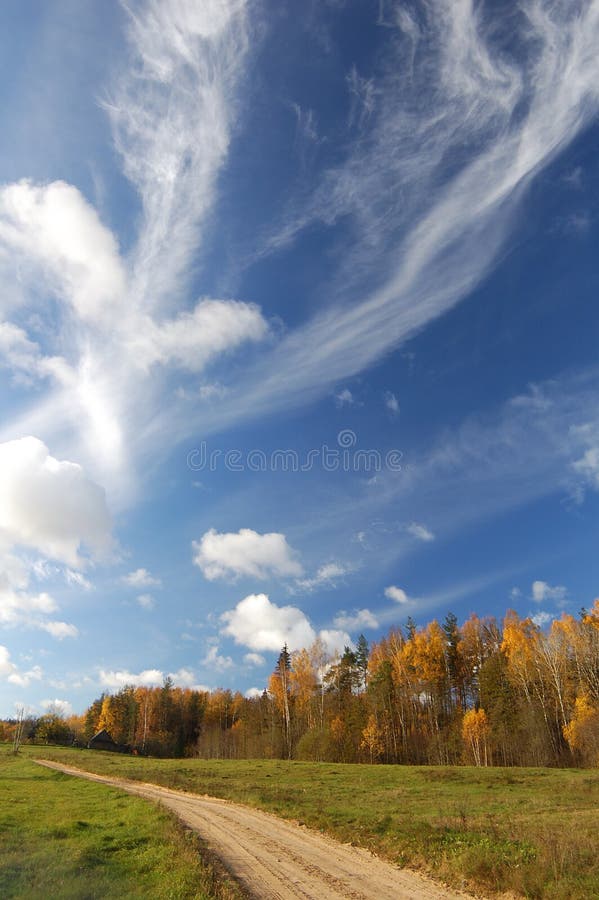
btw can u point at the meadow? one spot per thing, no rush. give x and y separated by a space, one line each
530 831
62 837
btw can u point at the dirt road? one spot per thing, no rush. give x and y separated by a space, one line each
277 860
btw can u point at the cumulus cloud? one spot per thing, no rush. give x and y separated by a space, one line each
542 618
421 532
360 618
11 673
62 707
141 578
116 679
397 594
146 601
259 624
253 693
6 667
51 230
216 660
20 608
195 338
245 553
50 505
121 678
254 659
59 630
183 677
335 641
542 591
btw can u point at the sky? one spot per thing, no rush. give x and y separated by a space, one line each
298 330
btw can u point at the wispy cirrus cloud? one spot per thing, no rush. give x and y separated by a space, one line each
426 228
173 108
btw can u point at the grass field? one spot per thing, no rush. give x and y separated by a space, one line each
65 838
530 831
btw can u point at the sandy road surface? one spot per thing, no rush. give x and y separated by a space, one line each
276 860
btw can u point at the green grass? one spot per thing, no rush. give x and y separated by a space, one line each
531 831
65 838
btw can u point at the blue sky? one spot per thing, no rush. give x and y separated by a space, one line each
298 330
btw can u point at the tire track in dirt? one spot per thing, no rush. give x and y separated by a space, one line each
277 860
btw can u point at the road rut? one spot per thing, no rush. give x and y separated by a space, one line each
278 860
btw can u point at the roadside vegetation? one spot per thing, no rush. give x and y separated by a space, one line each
529 831
62 837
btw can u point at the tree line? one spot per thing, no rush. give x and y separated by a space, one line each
482 693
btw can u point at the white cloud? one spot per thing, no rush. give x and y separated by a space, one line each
6 666
542 591
392 403
334 640
76 578
14 603
172 150
215 660
62 707
51 230
253 693
421 532
122 678
259 624
146 601
24 679
542 618
11 672
245 553
141 578
360 618
212 391
50 505
344 398
363 97
59 630
397 594
19 608
328 574
195 338
183 677
254 659
116 679
588 466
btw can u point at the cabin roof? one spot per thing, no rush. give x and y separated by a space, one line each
103 735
